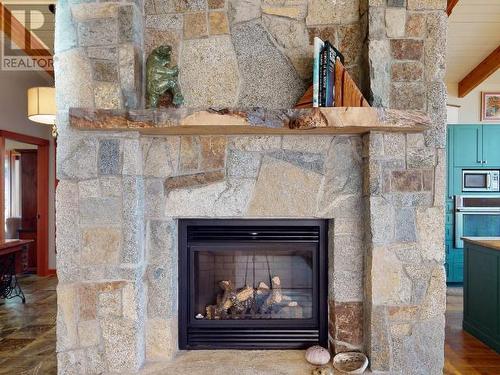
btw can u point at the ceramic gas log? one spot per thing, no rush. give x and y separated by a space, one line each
253 303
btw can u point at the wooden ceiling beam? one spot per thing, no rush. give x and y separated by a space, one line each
485 69
26 40
450 6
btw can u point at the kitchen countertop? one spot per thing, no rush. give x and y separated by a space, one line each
489 242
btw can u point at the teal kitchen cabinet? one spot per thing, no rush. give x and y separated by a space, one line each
467 146
449 160
491 146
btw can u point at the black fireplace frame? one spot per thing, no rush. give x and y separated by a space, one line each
256 334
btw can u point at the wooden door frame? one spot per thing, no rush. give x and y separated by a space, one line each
42 170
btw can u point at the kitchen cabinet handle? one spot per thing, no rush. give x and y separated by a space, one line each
477 147
485 161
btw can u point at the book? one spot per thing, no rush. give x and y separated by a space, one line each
323 72
334 55
329 75
318 46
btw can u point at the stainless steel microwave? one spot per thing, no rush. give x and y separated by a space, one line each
480 180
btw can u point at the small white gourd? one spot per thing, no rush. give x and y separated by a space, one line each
317 355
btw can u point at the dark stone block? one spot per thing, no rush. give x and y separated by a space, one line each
406 181
407 71
212 152
428 179
406 225
193 180
396 3
305 160
346 322
109 157
104 71
325 33
128 24
407 49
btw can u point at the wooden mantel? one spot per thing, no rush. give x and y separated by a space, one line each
185 121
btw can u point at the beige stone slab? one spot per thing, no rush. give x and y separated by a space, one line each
242 362
285 190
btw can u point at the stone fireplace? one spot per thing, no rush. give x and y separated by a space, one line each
123 195
252 283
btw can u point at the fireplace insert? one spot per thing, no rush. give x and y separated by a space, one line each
252 284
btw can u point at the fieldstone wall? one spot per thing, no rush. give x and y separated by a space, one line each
100 260
260 47
99 52
407 54
118 207
100 236
243 177
119 193
404 193
405 293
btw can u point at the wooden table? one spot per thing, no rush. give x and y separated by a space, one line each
9 287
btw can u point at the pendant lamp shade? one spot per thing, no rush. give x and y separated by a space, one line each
42 105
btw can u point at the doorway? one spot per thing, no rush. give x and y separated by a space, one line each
24 196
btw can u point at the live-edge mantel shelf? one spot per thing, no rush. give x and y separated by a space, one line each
188 121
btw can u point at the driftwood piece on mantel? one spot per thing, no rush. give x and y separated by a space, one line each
344 120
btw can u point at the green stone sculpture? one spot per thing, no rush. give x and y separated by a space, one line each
161 78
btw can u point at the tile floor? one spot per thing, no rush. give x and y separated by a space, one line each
28 332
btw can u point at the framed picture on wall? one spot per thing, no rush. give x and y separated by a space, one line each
490 106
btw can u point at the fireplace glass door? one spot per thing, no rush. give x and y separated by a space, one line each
244 281
252 284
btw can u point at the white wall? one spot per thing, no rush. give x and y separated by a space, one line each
470 106
13 104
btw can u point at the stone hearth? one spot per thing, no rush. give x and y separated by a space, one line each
201 362
120 193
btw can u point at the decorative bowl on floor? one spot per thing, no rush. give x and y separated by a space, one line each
350 362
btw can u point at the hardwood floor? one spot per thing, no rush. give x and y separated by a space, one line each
464 354
28 332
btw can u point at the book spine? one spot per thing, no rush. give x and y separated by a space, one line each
330 98
318 45
323 77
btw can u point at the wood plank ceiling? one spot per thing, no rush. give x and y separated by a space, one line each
473 35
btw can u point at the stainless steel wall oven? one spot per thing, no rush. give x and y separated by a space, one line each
476 216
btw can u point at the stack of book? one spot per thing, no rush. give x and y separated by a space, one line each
325 57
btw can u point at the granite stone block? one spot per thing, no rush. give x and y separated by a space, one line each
263 69
110 160
98 32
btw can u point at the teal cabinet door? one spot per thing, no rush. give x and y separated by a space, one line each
491 145
449 155
467 146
